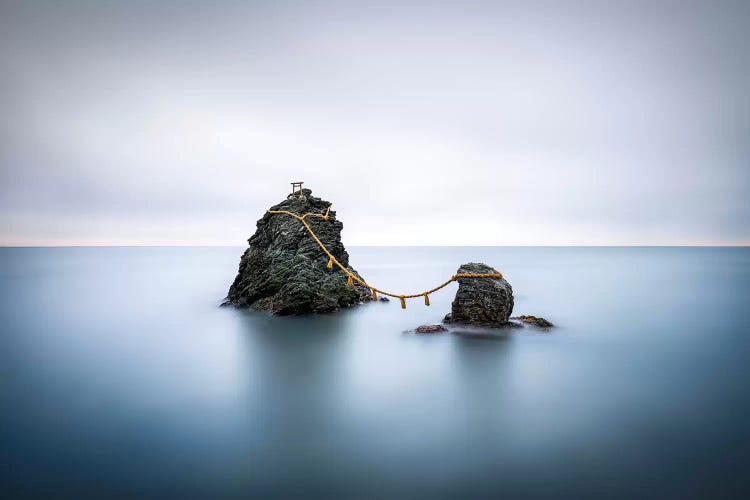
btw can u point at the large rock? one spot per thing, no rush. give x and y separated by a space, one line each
284 270
481 301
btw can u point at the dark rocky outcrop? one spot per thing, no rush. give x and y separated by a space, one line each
284 270
430 329
533 320
481 301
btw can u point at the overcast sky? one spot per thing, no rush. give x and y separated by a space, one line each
447 123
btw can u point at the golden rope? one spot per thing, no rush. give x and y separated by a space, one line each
351 277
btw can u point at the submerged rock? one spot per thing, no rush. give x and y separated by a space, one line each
284 270
481 301
541 322
430 329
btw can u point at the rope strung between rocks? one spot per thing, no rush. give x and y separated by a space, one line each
351 277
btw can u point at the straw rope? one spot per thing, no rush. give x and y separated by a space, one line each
351 277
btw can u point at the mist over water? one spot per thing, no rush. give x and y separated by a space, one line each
121 376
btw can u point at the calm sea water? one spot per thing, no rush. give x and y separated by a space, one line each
121 377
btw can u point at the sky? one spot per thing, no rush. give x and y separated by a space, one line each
425 123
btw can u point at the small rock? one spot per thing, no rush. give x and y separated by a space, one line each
533 320
430 329
486 302
384 299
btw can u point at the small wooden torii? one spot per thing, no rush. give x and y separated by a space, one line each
297 189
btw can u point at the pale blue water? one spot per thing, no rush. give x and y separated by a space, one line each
121 377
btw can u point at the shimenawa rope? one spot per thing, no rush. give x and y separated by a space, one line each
351 277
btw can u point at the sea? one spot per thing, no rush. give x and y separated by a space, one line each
121 377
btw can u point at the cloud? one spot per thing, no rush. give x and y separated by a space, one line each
494 123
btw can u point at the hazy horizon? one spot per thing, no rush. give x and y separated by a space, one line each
425 123
188 245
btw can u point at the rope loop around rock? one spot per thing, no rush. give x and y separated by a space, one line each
351 277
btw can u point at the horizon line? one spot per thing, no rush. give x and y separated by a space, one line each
180 245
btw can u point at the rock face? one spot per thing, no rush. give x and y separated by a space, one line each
481 301
284 270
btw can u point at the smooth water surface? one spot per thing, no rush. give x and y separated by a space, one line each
121 376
